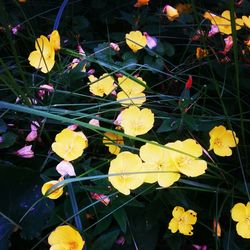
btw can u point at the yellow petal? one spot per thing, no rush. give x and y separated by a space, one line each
153 153
178 212
186 229
131 86
217 131
150 177
132 99
229 139
58 191
190 217
193 168
136 41
239 212
55 40
243 229
246 21
173 225
222 150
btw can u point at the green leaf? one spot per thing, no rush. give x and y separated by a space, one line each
169 124
121 217
106 241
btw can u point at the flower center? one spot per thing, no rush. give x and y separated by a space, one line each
73 245
218 142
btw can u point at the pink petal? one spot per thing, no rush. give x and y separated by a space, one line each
65 168
25 152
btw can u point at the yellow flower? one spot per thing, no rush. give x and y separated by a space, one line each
221 140
156 159
182 221
69 144
65 238
126 162
130 86
136 40
171 12
224 22
131 93
200 53
241 214
246 21
137 122
112 141
54 194
43 57
132 99
105 85
55 40
186 164
141 3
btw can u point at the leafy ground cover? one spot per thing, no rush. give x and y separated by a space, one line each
124 124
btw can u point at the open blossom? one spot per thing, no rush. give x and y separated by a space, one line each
120 169
33 133
112 141
25 152
105 85
137 122
54 194
188 165
183 221
65 238
241 214
228 44
221 140
65 168
213 30
136 40
156 159
43 58
141 3
69 144
170 12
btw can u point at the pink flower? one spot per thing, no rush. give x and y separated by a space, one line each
45 88
91 72
120 241
151 40
65 168
114 46
118 120
1 139
16 29
228 45
213 30
33 133
198 247
100 197
25 152
73 127
94 122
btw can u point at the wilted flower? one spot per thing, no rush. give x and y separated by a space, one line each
112 141
221 140
200 247
16 29
141 3
171 12
183 221
200 53
137 122
213 30
183 8
136 40
156 159
120 169
120 241
188 165
105 85
54 194
25 152
65 238
100 197
241 214
69 144
65 168
216 228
